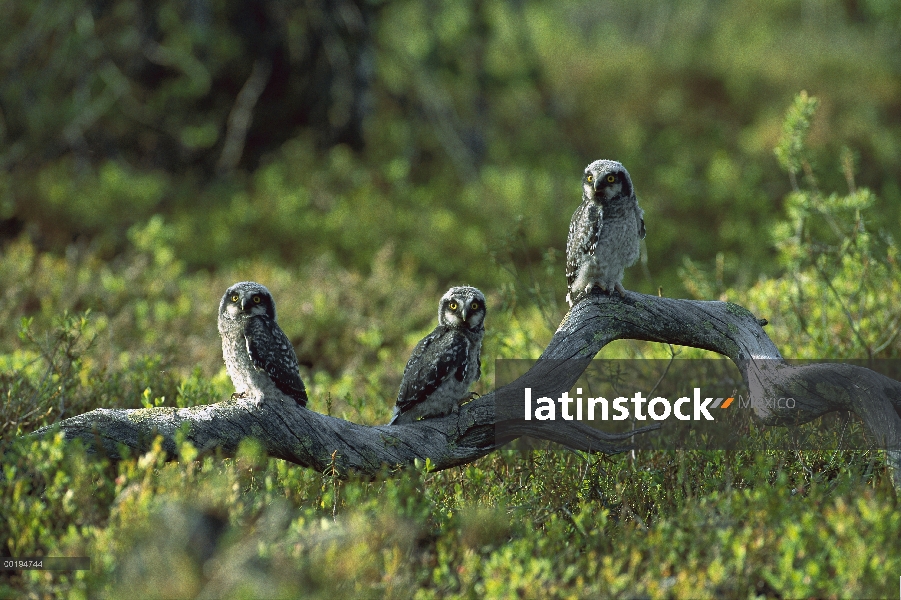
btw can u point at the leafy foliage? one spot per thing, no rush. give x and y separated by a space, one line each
395 149
836 298
534 524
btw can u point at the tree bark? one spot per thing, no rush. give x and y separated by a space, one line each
314 440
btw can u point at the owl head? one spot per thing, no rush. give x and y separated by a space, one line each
462 307
605 180
246 299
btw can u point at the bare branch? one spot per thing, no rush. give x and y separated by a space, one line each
311 439
241 116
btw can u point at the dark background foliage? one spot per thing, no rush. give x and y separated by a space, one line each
302 129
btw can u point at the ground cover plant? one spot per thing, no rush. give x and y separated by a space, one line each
532 522
121 224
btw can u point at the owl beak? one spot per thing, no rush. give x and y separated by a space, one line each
597 185
464 313
243 303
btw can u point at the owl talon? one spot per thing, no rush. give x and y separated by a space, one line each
574 298
469 398
620 289
257 401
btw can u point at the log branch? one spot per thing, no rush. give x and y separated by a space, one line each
241 116
307 438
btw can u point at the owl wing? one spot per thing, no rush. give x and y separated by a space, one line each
441 354
271 351
639 216
584 232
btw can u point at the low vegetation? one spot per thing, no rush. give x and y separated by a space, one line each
80 332
395 149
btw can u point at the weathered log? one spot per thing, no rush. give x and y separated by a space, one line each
307 438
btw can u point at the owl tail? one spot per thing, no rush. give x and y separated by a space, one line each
394 416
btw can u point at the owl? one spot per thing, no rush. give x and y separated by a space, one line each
605 231
259 357
445 363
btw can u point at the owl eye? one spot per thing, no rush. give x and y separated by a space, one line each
235 298
257 299
611 178
589 179
452 306
475 305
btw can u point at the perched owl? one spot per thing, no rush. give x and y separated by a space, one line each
258 355
445 363
605 231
